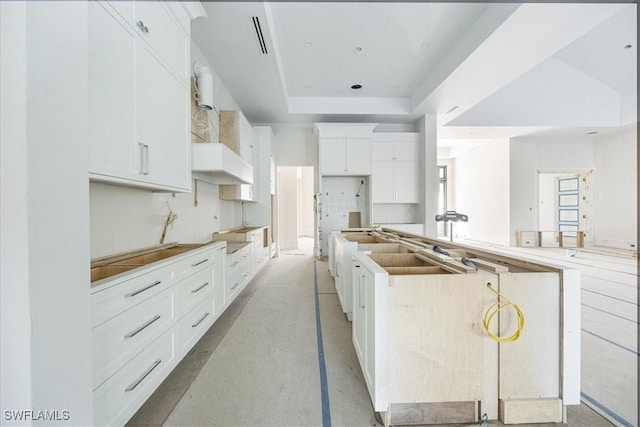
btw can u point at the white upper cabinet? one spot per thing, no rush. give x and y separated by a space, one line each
345 156
139 95
396 168
344 148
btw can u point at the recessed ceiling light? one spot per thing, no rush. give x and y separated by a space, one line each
424 45
356 87
628 46
307 44
593 132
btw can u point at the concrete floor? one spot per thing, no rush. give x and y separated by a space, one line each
259 363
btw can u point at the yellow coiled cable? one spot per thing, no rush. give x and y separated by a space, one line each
495 309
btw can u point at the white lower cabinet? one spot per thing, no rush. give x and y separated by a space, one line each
145 321
120 396
239 269
193 325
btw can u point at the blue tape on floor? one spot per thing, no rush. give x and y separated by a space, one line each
590 400
611 342
324 387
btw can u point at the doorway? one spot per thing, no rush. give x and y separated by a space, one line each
565 204
295 208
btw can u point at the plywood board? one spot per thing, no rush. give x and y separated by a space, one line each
529 367
521 411
436 341
230 130
415 270
383 248
399 260
407 414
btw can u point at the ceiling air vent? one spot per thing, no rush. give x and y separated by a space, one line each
256 25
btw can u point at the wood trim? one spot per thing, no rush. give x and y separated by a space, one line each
520 411
433 413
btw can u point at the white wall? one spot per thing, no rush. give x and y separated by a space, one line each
307 217
297 145
288 207
528 155
427 211
124 219
481 191
45 212
616 188
15 309
547 205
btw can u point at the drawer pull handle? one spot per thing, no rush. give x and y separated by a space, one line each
234 264
142 327
235 286
201 262
144 375
193 291
139 291
204 316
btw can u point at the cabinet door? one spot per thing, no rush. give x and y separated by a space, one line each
218 280
332 156
368 291
359 314
159 29
358 156
407 151
382 182
407 183
111 94
163 124
383 150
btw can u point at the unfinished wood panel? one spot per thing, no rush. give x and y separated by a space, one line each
529 367
399 260
490 266
383 248
415 270
407 414
521 411
230 129
436 341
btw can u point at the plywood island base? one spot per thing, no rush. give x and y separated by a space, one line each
419 335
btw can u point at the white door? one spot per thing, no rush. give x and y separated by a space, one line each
569 208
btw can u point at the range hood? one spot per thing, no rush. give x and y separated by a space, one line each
218 164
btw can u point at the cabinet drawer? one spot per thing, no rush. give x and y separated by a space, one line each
120 338
195 264
109 301
195 323
235 282
119 398
195 288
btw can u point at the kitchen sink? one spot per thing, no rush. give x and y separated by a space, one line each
102 268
